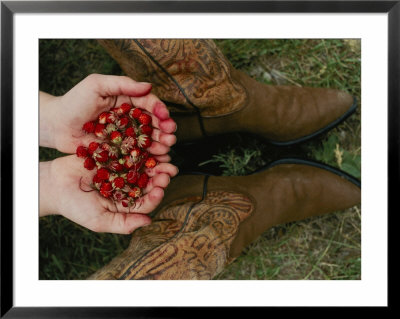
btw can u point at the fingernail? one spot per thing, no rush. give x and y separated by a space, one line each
149 85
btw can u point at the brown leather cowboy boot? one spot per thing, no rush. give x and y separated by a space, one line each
211 97
204 222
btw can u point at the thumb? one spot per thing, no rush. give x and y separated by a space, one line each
111 85
123 223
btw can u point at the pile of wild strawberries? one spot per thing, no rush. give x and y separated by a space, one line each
121 159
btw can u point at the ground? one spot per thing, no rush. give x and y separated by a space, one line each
327 247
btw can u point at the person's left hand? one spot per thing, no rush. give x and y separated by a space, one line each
62 117
65 190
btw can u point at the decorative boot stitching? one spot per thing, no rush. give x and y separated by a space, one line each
200 119
128 271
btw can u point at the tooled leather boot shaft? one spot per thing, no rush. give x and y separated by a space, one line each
194 237
188 239
194 78
189 73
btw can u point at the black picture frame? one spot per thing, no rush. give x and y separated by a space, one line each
9 8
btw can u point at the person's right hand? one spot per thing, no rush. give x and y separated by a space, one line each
63 183
62 118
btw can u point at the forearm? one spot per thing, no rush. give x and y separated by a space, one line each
48 106
46 190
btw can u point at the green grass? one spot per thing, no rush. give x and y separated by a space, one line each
237 161
326 247
63 63
320 248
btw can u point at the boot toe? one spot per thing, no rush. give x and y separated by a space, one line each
339 103
334 106
313 111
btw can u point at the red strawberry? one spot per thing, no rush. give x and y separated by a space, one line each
103 117
111 118
122 122
125 203
89 163
96 182
128 162
150 162
124 108
143 180
130 131
146 129
144 141
118 183
145 155
82 151
100 130
135 153
122 158
119 195
103 174
135 192
92 147
112 177
96 179
144 118
116 137
132 176
89 127
135 113
105 146
106 189
127 144
102 157
116 166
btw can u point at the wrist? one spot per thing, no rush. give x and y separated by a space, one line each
49 111
47 204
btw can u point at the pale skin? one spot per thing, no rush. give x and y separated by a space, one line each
65 183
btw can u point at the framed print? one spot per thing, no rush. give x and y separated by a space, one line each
281 117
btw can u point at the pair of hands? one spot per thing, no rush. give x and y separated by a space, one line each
61 120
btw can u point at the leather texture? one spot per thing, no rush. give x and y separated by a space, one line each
187 73
277 113
194 78
204 223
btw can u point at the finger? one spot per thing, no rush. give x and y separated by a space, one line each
120 223
157 182
86 139
168 126
166 168
153 105
163 138
163 158
157 148
112 85
160 180
149 201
